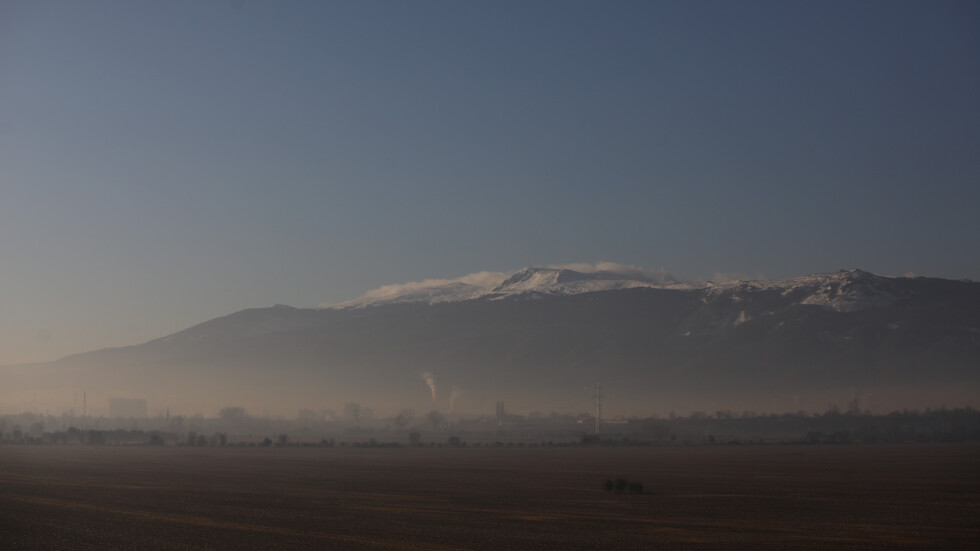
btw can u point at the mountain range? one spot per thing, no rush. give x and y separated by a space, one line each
540 338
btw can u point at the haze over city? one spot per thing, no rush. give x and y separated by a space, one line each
166 163
511 274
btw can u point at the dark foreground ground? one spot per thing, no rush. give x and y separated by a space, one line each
819 497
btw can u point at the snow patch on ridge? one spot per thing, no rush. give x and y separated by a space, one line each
842 291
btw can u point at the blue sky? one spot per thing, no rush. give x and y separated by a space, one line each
164 163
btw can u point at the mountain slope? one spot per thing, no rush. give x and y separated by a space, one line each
537 339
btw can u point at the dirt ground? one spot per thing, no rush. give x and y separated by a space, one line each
776 497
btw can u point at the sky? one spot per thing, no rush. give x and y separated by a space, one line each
165 163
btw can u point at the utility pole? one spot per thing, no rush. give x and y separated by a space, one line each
598 406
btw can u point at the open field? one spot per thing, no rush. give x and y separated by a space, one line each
819 497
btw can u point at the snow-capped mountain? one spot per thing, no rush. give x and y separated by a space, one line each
842 291
445 291
564 281
530 281
538 336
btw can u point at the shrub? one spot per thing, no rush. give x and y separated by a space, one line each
621 484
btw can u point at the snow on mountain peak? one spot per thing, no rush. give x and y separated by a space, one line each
550 280
845 290
566 281
429 291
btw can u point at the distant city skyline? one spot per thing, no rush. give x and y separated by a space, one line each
162 164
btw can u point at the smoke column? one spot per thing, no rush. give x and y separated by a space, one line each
429 380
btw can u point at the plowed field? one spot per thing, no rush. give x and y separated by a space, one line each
751 497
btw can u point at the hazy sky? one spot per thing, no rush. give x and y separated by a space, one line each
163 163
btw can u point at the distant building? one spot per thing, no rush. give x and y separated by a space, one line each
127 407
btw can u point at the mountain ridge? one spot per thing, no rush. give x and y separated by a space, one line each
567 281
909 342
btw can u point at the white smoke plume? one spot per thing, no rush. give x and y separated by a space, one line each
431 381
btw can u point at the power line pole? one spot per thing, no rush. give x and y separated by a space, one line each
598 406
